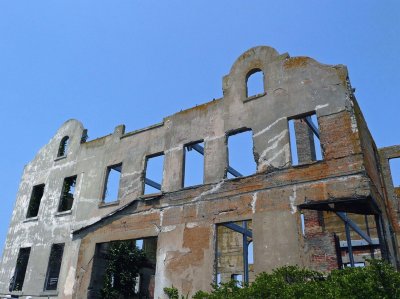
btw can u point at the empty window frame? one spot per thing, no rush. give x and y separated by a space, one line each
154 173
255 83
234 252
54 267
116 260
63 147
17 281
111 186
305 146
240 154
395 171
34 202
67 194
193 164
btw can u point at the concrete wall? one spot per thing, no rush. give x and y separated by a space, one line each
184 219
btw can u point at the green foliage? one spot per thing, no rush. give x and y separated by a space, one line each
377 280
125 261
173 293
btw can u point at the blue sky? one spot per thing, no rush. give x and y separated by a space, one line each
134 62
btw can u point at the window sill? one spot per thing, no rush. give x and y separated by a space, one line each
17 293
151 195
31 219
63 213
49 293
108 204
60 158
260 95
299 165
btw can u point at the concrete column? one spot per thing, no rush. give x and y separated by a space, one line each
173 169
271 145
215 160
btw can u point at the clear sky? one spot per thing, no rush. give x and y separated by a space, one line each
134 62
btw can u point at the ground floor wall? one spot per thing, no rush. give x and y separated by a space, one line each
187 238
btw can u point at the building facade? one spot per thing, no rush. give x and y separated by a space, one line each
321 195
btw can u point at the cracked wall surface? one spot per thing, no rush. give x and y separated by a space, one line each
184 220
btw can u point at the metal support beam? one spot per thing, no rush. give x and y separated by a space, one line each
313 127
354 226
369 235
381 236
245 254
349 247
239 229
153 184
234 172
198 148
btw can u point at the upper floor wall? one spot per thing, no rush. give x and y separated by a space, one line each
292 87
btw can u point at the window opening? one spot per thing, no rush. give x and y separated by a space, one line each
63 147
194 164
255 83
67 194
356 265
111 189
54 267
34 202
305 145
303 228
234 252
240 155
395 171
238 278
154 174
125 269
17 281
356 236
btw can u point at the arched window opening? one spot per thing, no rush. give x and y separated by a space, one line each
62 149
255 83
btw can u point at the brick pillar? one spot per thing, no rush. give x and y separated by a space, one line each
320 244
304 141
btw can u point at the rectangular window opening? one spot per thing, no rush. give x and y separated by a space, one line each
234 256
54 267
305 144
154 174
67 194
17 280
34 203
126 267
395 171
356 235
194 164
240 155
111 188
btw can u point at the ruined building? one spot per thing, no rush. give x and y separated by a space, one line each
321 195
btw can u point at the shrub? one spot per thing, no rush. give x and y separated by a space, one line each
377 280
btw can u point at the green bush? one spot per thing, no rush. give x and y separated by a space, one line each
124 263
377 280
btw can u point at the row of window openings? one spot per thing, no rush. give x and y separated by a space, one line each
53 268
66 198
254 86
240 155
305 147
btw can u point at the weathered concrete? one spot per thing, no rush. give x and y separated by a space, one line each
184 219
